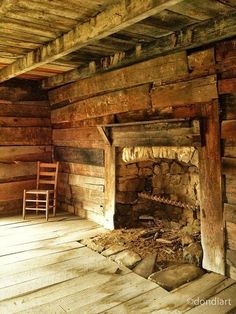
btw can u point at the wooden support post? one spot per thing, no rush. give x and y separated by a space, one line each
110 186
212 226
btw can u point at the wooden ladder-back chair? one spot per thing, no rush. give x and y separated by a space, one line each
43 198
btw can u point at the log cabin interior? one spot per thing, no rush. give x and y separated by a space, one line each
136 100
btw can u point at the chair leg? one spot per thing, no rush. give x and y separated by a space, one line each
47 205
24 203
54 205
37 204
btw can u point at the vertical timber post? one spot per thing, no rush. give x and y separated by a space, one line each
110 186
212 226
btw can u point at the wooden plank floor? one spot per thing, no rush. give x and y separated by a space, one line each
43 269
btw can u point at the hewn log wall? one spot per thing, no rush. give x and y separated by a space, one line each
179 85
25 137
226 60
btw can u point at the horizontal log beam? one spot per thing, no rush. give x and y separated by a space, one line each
13 154
14 190
115 18
88 156
190 140
228 130
25 136
227 86
230 212
231 232
14 172
20 121
27 109
229 166
167 67
82 169
92 183
189 37
10 207
82 137
122 101
228 106
167 133
84 194
184 93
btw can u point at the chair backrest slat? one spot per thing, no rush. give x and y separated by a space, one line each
47 174
46 181
48 165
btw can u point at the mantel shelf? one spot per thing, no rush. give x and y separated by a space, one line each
112 125
168 132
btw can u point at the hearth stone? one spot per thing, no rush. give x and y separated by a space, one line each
146 267
114 249
91 243
127 258
175 276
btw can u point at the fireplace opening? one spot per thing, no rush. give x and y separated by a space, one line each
158 183
157 200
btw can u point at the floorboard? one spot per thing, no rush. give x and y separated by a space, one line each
177 301
44 269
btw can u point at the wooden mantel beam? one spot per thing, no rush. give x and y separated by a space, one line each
115 18
189 37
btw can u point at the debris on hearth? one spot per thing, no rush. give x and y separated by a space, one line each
148 250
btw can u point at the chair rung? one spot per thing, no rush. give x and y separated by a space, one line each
34 208
36 201
36 192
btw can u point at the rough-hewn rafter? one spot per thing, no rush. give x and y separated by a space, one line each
115 18
190 37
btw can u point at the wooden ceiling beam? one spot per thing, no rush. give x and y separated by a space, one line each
207 32
113 19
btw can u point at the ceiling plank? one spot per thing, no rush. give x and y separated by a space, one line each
113 19
189 37
5 5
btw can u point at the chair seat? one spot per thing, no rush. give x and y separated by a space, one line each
39 191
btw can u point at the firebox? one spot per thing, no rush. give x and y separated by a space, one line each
157 183
155 171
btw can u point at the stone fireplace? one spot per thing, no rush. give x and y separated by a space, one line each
176 161
159 158
170 173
